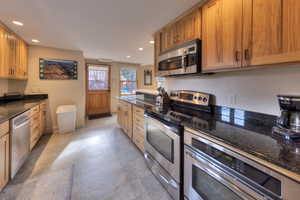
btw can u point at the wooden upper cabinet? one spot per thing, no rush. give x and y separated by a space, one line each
185 28
13 55
222 35
271 32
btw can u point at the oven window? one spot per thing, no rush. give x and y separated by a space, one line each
161 142
209 188
266 181
170 64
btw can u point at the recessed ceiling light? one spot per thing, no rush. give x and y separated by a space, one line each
128 56
35 40
17 23
151 42
141 49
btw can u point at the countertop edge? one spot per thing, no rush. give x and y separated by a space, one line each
9 117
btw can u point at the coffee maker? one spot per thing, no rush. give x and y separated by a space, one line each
288 124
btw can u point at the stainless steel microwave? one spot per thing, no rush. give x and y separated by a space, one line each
181 60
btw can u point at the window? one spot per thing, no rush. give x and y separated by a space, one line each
128 82
98 78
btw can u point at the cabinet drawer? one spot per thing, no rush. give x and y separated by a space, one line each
138 111
138 122
34 133
4 128
35 119
43 107
35 110
139 142
139 133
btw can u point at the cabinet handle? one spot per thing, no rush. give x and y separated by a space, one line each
247 54
237 56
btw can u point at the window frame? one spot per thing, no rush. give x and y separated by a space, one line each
121 81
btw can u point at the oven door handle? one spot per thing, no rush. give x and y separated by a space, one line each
169 182
218 175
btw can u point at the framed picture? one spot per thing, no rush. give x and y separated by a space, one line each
51 69
147 77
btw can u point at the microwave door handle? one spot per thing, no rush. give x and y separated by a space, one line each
184 62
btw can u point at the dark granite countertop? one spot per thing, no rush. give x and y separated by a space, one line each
246 131
9 110
133 100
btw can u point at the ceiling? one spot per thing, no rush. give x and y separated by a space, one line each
109 29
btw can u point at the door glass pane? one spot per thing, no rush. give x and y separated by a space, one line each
209 188
161 142
98 78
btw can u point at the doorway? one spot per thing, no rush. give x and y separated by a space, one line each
98 91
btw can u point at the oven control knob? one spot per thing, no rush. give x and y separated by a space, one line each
200 98
204 99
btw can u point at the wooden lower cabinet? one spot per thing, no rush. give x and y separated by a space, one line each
4 154
131 120
125 117
138 133
37 123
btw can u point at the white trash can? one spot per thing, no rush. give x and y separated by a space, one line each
66 118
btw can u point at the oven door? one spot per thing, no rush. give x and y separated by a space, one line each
203 181
163 144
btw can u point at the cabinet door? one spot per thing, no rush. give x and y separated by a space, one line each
271 31
4 55
157 50
191 26
222 35
4 160
12 55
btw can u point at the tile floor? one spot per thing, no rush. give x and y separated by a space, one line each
97 162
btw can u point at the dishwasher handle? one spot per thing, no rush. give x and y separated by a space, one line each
22 123
21 120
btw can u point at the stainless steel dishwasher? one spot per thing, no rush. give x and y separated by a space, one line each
20 141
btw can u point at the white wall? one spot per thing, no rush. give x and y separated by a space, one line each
254 90
60 91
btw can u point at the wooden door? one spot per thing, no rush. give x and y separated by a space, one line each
271 31
98 90
4 160
222 35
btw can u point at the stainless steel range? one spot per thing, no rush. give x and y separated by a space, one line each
164 140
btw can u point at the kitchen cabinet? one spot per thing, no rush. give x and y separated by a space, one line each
125 117
271 32
37 123
131 120
13 56
4 154
222 35
138 130
185 28
240 34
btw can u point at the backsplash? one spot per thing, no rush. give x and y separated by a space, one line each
3 86
253 90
